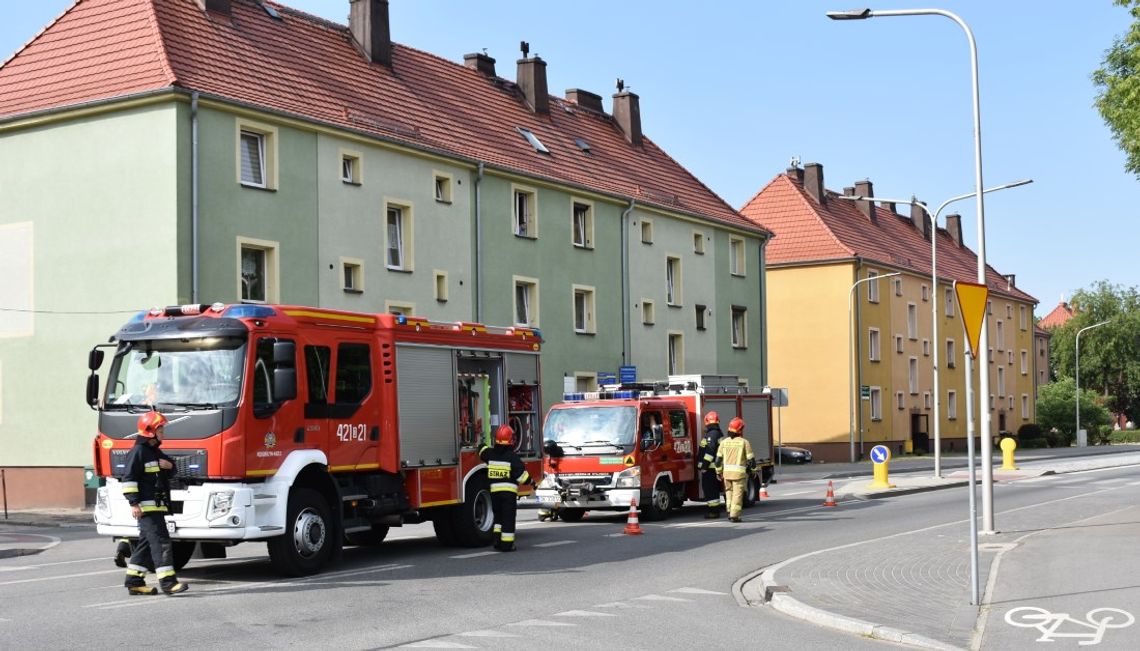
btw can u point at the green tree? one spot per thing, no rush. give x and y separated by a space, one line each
1110 354
1056 408
1118 84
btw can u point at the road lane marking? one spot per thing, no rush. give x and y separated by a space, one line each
38 566
62 576
555 543
435 644
582 613
697 591
659 597
619 604
474 555
486 633
539 622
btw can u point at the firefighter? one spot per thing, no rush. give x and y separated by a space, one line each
734 461
146 485
506 472
710 485
122 551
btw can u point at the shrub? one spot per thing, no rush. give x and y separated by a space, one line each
1030 431
1125 436
1032 444
1058 439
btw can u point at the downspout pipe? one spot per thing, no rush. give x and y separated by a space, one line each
625 329
194 253
764 312
478 284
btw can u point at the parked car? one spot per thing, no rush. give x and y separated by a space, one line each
792 454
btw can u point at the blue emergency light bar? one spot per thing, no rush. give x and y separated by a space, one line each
249 312
600 395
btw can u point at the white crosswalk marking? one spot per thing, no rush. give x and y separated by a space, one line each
475 555
556 543
696 591
658 597
620 604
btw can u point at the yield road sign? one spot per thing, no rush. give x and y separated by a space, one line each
972 299
880 454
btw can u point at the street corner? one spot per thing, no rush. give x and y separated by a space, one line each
900 485
25 544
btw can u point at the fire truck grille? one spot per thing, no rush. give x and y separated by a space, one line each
189 464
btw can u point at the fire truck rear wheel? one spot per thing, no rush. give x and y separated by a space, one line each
572 515
658 501
308 539
473 520
369 538
752 491
182 553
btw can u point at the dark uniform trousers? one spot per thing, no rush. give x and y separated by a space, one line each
154 549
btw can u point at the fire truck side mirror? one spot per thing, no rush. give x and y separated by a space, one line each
553 450
284 352
93 389
94 359
284 383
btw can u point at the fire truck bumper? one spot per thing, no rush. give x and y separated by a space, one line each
215 512
614 498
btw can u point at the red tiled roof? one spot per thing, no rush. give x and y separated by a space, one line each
1058 317
311 68
807 232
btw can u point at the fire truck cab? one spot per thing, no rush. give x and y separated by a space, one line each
308 428
607 448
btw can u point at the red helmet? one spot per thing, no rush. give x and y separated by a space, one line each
712 418
736 426
504 435
149 424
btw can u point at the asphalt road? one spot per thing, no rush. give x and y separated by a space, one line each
581 586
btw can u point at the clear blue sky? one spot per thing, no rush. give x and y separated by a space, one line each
733 90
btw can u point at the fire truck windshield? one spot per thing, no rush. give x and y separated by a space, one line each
582 428
202 373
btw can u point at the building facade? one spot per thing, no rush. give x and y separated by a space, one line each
857 352
193 151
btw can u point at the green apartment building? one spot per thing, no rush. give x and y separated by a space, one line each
193 151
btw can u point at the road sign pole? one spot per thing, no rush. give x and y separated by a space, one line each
973 484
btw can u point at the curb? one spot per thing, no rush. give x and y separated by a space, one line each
48 521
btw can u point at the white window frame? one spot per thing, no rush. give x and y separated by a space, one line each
1008 312
530 297
646 230
736 256
951 353
648 312
582 230
583 313
1000 335
873 286
403 235
675 352
442 183
699 242
267 151
585 381
874 345
911 321
926 348
356 285
900 400
524 211
926 400
351 167
876 403
1025 406
1001 381
1024 362
439 285
1024 321
270 249
912 375
898 287
673 281
951 405
739 327
700 315
396 306
898 344
925 293
948 303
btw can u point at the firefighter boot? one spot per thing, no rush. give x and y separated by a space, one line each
175 588
146 590
122 552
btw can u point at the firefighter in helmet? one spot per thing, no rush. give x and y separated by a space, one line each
506 472
146 485
734 462
706 458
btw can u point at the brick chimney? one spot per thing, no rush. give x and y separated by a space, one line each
1011 281
891 206
585 99
627 113
796 173
532 82
813 182
954 228
865 189
219 6
480 62
920 219
368 22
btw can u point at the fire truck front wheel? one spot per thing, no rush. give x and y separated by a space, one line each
658 501
572 515
308 539
473 520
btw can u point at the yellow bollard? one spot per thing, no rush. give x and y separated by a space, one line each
1008 445
881 457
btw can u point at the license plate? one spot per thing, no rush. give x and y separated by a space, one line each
170 526
547 499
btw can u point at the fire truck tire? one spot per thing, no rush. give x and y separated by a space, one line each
370 538
572 515
308 539
656 503
473 520
442 524
182 553
751 493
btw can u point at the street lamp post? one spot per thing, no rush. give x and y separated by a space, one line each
983 346
934 290
851 355
1082 441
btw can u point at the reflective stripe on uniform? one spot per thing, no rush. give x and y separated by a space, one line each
504 486
708 457
151 466
498 470
524 478
165 571
498 528
130 487
508 537
733 466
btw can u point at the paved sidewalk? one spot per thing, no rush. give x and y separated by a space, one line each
919 588
50 518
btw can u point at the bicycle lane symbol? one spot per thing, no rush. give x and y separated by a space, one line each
1096 622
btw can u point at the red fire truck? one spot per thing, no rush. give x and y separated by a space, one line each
604 449
308 428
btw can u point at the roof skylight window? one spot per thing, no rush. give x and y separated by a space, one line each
583 145
271 11
533 140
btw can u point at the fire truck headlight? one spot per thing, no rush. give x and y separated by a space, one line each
629 478
548 481
103 503
220 504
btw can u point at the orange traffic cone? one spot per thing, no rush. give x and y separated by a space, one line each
763 491
632 527
830 500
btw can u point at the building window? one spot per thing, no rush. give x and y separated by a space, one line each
582 224
912 375
1008 311
991 355
991 402
736 256
926 348
926 400
1000 335
399 307
873 347
898 344
1023 319
1025 362
911 321
989 308
1024 406
925 293
1001 380
648 316
646 231
257 155
1010 354
700 314
739 327
440 285
441 185
352 275
951 354
876 403
951 405
949 300
526 301
900 400
676 354
672 281
257 275
873 287
1011 403
350 167
397 237
584 381
525 223
698 243
898 286
584 310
